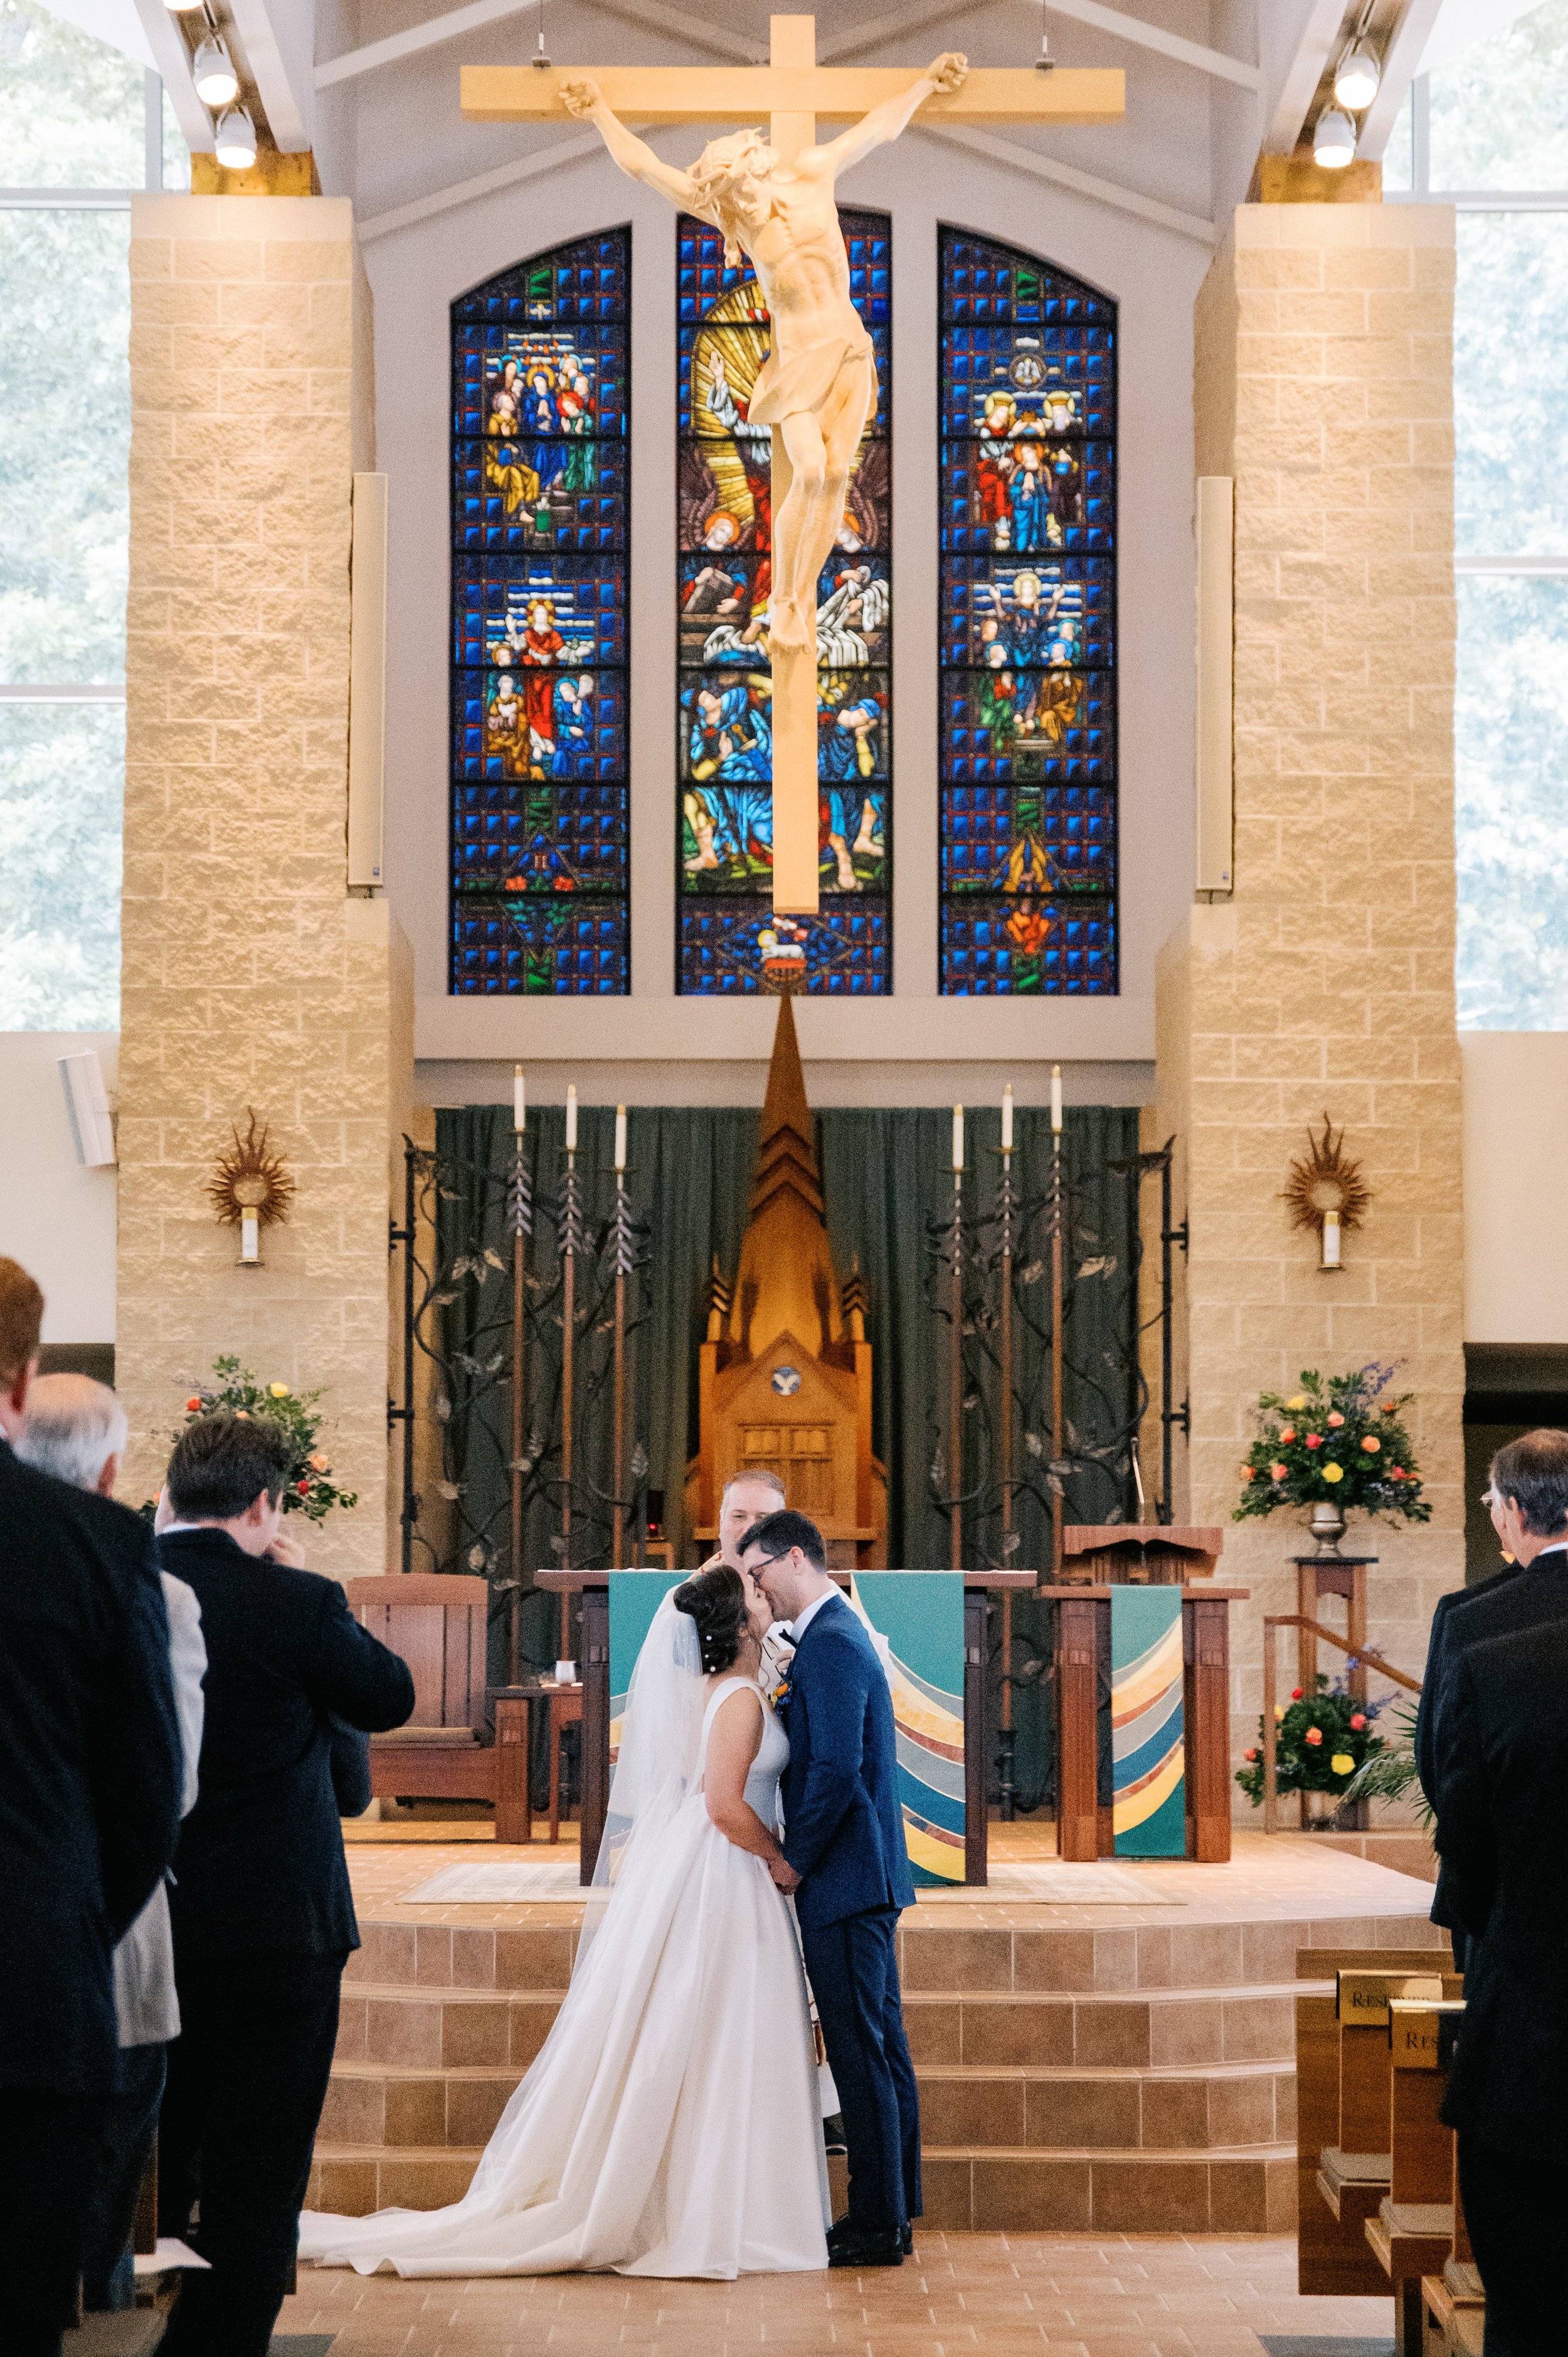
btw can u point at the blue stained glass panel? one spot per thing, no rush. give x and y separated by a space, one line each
1027 625
540 397
729 939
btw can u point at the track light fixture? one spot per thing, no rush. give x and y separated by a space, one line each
1356 76
1334 141
212 71
236 140
541 55
181 7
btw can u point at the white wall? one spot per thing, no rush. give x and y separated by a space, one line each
56 1218
402 123
1515 1163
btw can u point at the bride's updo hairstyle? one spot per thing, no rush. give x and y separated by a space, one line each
716 1600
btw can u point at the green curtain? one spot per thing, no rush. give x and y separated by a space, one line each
886 1177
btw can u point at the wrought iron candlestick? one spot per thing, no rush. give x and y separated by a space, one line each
519 1220
1007 1789
622 1248
571 1235
1057 1220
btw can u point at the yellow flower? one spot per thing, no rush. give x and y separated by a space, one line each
278 1391
1279 1710
1333 1472
1297 1403
1342 1763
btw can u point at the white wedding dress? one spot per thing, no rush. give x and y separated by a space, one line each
670 2124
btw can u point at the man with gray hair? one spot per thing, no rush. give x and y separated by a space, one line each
749 1494
75 1429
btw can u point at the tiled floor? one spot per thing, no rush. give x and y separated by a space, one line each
1136 2296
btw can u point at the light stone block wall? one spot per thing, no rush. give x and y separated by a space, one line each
1325 983
250 978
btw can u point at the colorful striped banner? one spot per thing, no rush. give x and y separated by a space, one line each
635 1598
1148 1769
916 1620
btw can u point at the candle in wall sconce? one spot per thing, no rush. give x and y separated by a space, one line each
1330 1253
571 1121
1327 1191
958 1137
250 1238
620 1137
1056 1099
519 1099
1007 1119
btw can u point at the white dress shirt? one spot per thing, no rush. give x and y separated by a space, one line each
144 2002
797 1628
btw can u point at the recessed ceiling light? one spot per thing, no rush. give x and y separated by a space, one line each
1357 77
236 140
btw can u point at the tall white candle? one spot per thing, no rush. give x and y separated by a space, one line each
571 1121
1330 1258
519 1098
250 1237
958 1137
1056 1097
1007 1119
620 1137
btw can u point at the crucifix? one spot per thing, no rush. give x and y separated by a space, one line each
773 199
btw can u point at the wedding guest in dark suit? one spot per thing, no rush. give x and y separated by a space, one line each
1503 1772
1529 1499
844 1837
89 1795
264 1921
75 1429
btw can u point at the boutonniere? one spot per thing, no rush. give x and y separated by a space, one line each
779 1697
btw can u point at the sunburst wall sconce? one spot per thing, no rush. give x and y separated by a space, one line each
1327 1192
252 1189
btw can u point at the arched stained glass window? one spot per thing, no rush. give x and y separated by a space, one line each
729 939
1028 624
541 394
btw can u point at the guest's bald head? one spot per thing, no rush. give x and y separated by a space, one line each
75 1429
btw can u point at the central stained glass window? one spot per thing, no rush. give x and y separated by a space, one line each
729 938
539 391
1028 625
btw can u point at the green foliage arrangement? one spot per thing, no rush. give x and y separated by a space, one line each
309 1489
1322 1740
1338 1439
1388 1774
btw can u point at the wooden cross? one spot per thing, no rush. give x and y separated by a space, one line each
793 90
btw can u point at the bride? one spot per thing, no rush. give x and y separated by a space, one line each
671 2124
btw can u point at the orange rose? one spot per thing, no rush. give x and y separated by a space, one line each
1371 1445
1288 1435
1335 1417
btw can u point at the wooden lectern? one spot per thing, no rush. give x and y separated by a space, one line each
593 1587
1139 1554
1082 1662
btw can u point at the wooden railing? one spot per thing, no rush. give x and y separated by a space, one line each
1361 1655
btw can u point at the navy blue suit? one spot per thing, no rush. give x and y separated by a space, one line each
844 1838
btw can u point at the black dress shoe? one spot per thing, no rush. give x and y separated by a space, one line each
908 2239
833 2138
878 2246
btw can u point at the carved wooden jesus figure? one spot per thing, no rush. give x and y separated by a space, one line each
818 385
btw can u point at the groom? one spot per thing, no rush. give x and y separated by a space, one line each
843 1841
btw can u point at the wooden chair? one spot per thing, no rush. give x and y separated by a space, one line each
1413 2234
436 1622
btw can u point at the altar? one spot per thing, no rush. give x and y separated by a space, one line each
593 1589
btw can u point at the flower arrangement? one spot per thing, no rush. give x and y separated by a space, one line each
309 1489
1390 1773
1320 1742
1338 1439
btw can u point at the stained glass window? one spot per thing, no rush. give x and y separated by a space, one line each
729 938
541 392
1027 629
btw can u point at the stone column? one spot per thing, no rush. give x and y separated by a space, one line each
251 978
1325 983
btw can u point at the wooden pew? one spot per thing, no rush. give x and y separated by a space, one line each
1342 2113
1412 2233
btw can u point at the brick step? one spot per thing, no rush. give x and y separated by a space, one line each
1239 2109
1141 2030
1228 2190
443 2029
934 1957
1194 2109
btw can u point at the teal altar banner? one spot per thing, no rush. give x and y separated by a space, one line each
635 1598
1147 1736
916 1620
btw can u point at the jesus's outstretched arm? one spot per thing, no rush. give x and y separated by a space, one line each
885 122
585 102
